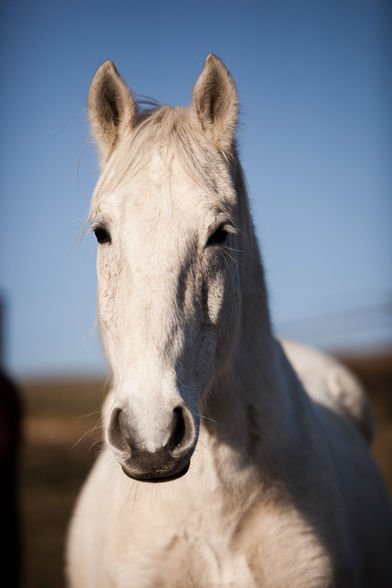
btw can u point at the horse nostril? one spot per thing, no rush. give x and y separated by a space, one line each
178 430
128 444
183 432
116 434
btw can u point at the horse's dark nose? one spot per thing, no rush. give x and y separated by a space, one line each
166 462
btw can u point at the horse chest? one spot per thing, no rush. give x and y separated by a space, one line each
169 549
176 545
186 556
208 561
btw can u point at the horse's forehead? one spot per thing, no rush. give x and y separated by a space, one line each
163 193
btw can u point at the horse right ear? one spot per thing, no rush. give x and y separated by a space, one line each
111 109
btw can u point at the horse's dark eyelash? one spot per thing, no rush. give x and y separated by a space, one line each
102 235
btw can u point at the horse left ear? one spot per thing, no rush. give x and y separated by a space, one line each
215 102
111 108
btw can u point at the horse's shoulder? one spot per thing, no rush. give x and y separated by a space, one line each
272 535
331 384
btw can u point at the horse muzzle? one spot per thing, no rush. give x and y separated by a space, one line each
153 462
156 467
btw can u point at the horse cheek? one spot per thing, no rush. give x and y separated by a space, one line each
107 273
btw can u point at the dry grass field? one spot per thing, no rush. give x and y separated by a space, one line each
61 439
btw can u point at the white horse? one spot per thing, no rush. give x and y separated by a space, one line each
258 452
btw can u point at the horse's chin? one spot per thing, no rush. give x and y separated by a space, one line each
155 477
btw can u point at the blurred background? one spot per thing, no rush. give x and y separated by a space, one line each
315 137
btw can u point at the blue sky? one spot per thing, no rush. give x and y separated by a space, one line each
315 139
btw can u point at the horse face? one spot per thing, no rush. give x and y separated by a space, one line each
167 224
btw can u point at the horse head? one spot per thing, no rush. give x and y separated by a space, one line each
171 230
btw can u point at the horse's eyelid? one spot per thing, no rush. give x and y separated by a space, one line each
97 227
229 228
94 226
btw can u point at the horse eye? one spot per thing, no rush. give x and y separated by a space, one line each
218 237
102 235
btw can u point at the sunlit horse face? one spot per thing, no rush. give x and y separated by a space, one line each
165 214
